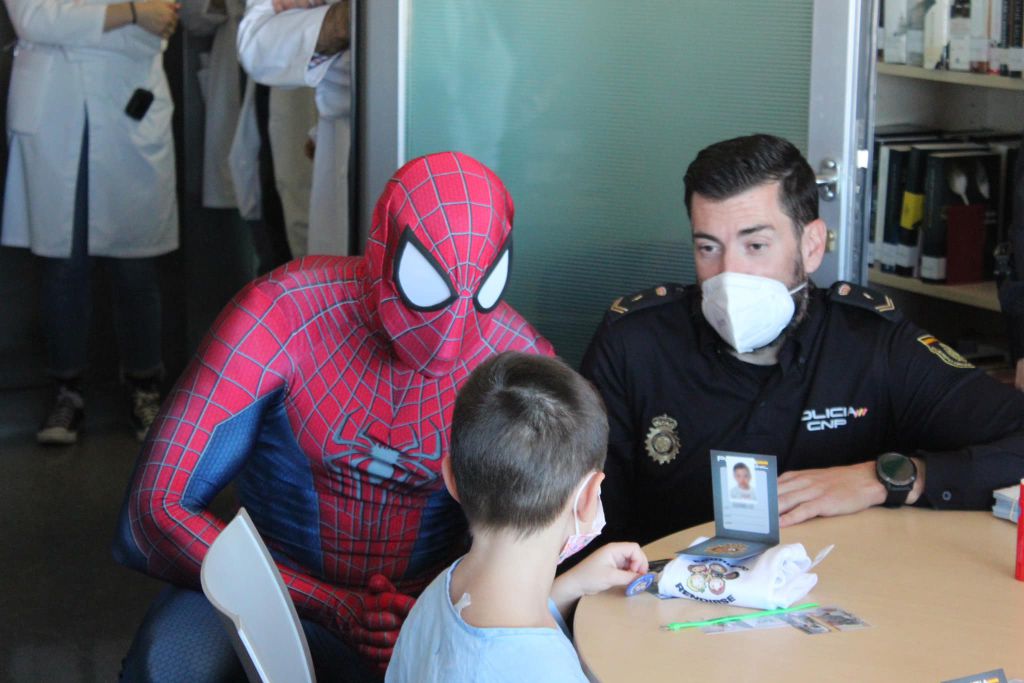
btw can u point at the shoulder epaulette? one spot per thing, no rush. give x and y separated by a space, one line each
864 297
654 296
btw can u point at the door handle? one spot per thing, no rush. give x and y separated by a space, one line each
827 179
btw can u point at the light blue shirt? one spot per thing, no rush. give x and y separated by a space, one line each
435 644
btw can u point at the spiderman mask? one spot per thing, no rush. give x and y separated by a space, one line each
438 259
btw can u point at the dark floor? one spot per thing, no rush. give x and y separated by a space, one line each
69 611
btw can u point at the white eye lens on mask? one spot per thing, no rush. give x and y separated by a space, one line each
420 280
493 285
747 311
577 541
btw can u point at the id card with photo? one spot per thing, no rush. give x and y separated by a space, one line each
746 492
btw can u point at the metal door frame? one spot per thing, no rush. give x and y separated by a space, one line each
839 127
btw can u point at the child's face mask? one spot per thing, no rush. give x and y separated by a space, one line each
577 541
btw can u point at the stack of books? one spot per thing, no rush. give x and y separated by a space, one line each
941 201
1007 505
983 36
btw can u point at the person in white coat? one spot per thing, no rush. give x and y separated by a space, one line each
90 176
230 120
281 45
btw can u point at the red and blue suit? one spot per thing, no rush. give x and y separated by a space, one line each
324 391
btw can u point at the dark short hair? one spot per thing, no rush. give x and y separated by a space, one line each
727 168
525 430
740 465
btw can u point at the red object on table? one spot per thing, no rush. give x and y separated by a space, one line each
1020 536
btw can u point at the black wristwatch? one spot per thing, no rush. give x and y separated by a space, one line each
897 473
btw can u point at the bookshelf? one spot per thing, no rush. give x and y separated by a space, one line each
951 77
977 294
950 100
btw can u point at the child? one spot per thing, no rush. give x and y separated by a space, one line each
529 438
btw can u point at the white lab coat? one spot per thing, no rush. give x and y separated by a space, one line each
229 123
277 49
65 66
292 114
220 85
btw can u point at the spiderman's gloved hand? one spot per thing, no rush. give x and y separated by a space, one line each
378 621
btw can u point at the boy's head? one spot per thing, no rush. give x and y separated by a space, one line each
525 431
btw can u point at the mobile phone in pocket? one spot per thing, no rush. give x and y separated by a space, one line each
139 103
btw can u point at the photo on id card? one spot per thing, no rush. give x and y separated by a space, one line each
746 493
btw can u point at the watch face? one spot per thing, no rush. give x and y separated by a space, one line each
897 469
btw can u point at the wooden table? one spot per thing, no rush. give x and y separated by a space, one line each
936 587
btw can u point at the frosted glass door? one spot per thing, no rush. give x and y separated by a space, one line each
590 110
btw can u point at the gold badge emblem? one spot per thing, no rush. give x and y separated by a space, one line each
662 440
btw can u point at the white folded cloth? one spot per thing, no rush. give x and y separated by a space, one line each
776 578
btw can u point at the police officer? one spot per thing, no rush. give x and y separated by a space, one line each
860 406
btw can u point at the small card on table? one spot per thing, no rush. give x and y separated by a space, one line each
746 493
993 676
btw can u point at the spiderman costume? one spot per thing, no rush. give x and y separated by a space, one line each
324 390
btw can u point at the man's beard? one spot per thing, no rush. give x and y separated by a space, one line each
802 298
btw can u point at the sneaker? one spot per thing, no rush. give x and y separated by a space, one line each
61 425
145 405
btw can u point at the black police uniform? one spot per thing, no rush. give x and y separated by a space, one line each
853 380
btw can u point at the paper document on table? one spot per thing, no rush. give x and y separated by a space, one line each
758 624
813 622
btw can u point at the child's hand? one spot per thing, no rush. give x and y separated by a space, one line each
615 564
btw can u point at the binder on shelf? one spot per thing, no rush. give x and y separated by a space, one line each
959 188
908 251
1016 38
915 33
881 254
996 37
968 36
936 34
965 240
1008 152
895 21
981 11
892 178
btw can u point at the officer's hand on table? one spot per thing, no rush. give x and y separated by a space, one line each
379 620
804 494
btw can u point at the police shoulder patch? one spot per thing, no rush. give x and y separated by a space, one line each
647 298
864 297
946 353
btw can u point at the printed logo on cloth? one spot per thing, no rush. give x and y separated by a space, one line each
946 353
835 417
662 441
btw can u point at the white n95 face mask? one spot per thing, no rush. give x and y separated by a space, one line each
578 541
747 311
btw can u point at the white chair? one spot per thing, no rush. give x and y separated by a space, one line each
242 582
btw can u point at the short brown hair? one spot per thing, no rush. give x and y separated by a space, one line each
725 169
525 430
